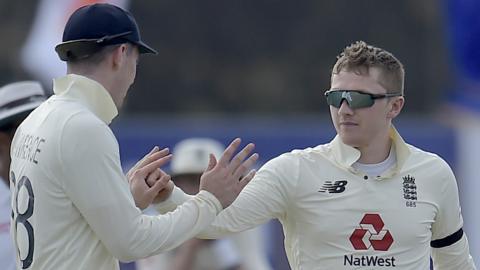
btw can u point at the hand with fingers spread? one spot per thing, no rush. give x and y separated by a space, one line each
147 170
227 177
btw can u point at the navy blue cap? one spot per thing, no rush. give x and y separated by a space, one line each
92 27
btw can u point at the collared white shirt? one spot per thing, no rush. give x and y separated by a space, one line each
75 209
335 217
376 169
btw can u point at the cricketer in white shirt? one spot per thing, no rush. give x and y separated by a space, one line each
73 208
337 217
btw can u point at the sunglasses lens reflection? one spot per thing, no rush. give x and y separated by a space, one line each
354 99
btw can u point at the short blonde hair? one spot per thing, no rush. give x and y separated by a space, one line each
359 57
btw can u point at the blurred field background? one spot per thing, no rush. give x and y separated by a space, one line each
258 69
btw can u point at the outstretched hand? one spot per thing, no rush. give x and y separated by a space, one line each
147 170
227 177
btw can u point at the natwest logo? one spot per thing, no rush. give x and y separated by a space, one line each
371 234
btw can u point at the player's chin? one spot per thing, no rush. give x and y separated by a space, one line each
350 139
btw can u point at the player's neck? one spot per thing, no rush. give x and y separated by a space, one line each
99 73
377 151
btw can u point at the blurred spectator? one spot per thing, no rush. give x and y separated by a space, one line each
243 251
17 100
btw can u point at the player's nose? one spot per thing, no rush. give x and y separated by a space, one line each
344 108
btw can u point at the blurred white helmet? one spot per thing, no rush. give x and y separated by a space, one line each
191 156
18 99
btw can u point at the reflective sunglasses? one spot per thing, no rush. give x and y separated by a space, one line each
355 99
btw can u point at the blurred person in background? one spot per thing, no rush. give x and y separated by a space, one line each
17 100
242 251
365 200
73 207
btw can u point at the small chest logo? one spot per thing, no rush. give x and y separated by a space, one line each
335 187
410 191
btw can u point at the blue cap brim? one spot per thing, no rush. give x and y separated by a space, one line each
144 48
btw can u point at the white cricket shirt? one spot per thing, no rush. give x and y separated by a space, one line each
72 202
335 217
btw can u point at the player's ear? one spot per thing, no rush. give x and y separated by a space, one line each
118 55
395 106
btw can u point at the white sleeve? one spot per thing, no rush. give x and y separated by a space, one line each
449 243
266 197
96 185
249 244
177 198
453 257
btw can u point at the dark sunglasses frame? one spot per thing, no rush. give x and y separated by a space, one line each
355 99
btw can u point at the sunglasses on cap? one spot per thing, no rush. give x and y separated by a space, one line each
354 98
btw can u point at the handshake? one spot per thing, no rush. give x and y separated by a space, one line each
224 178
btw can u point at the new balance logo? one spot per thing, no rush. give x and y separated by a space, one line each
371 234
336 187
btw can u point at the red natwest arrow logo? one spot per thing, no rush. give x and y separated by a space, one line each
371 234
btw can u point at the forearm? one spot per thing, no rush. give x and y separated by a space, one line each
227 222
250 209
129 235
262 199
164 232
178 197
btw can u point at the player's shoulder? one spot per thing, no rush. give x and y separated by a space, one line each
86 135
297 156
84 119
76 123
418 155
431 163
63 113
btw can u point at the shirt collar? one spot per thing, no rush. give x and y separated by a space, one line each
88 92
346 155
